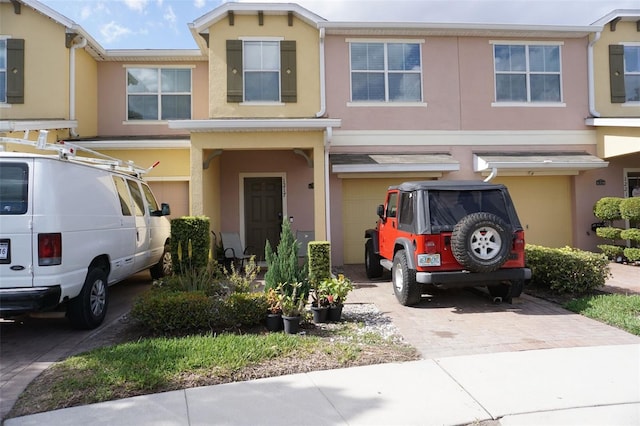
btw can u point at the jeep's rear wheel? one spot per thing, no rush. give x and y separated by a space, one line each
371 261
481 242
88 309
405 287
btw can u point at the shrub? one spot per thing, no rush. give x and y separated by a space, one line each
608 208
630 208
610 251
175 313
245 309
566 270
633 254
632 234
282 265
190 231
608 232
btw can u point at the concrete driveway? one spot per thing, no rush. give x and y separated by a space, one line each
466 322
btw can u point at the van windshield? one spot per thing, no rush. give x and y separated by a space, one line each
14 188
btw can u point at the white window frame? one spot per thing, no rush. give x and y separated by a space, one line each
159 94
3 73
637 46
527 72
386 72
244 70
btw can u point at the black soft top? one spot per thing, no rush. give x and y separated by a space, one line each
447 185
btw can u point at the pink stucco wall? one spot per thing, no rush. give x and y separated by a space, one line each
112 102
458 88
298 176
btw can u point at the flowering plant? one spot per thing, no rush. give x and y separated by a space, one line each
337 289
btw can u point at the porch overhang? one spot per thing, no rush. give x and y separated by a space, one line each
393 163
26 125
255 125
536 163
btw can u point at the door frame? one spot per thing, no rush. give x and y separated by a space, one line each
242 176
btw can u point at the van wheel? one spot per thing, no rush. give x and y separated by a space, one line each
371 261
405 287
164 267
88 310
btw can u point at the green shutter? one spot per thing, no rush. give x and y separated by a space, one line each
234 71
288 80
616 73
15 71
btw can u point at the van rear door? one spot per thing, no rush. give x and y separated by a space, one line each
16 215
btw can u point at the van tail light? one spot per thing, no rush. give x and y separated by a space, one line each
49 249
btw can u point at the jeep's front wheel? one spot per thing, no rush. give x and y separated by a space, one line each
481 242
405 287
371 261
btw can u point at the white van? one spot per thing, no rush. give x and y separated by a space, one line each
71 227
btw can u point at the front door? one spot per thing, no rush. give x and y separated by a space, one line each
262 213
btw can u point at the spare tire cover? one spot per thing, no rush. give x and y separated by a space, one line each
481 242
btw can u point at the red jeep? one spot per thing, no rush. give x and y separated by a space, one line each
449 234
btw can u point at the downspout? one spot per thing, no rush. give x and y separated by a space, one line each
327 198
323 98
591 76
72 81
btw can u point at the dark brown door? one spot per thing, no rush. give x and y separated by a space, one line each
262 212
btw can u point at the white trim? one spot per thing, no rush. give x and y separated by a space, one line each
156 66
254 124
137 144
536 163
356 104
265 103
241 177
168 179
20 126
528 104
252 38
530 43
613 122
384 40
463 138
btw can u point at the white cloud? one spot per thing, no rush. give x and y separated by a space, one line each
169 15
199 4
137 5
113 31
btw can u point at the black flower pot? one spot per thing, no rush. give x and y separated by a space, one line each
334 313
291 324
319 313
274 322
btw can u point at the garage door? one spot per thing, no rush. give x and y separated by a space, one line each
176 193
543 204
360 198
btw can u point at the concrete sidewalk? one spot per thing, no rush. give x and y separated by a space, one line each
580 386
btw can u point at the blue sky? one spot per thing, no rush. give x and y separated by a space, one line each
162 24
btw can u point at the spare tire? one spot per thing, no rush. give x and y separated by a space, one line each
481 242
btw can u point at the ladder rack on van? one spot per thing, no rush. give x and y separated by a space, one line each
67 151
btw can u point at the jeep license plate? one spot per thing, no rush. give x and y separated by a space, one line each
429 259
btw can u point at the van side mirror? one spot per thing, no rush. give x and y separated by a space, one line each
381 211
166 210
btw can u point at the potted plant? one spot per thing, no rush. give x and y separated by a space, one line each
292 307
319 302
274 313
337 289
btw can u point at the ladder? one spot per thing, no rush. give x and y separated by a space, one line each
67 151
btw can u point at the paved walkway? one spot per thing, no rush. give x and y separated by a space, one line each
529 363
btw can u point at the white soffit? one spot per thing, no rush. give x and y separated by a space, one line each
385 163
613 122
536 162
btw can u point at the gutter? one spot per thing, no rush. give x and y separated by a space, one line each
591 76
72 81
327 196
323 96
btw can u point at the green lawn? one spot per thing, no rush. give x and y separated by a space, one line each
618 310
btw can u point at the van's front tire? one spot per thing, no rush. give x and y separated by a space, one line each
88 310
164 267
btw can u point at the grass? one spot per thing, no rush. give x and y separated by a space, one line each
160 364
618 310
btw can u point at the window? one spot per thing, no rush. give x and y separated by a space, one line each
527 73
632 73
386 72
158 93
392 205
12 71
405 221
261 71
123 195
14 188
138 203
